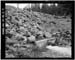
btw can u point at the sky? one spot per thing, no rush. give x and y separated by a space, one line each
27 5
20 5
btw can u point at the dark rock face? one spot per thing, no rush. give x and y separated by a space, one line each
30 31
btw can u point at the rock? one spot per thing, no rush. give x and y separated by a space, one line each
11 48
17 45
25 39
28 45
47 34
31 38
7 25
51 40
10 56
40 32
22 49
22 28
8 40
41 43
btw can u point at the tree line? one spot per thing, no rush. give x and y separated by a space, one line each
61 9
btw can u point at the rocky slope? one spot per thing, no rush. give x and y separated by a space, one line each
29 32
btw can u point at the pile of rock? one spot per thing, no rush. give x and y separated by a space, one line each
27 30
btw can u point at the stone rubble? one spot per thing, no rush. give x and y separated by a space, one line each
32 30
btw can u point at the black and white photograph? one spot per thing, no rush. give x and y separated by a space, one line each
38 30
